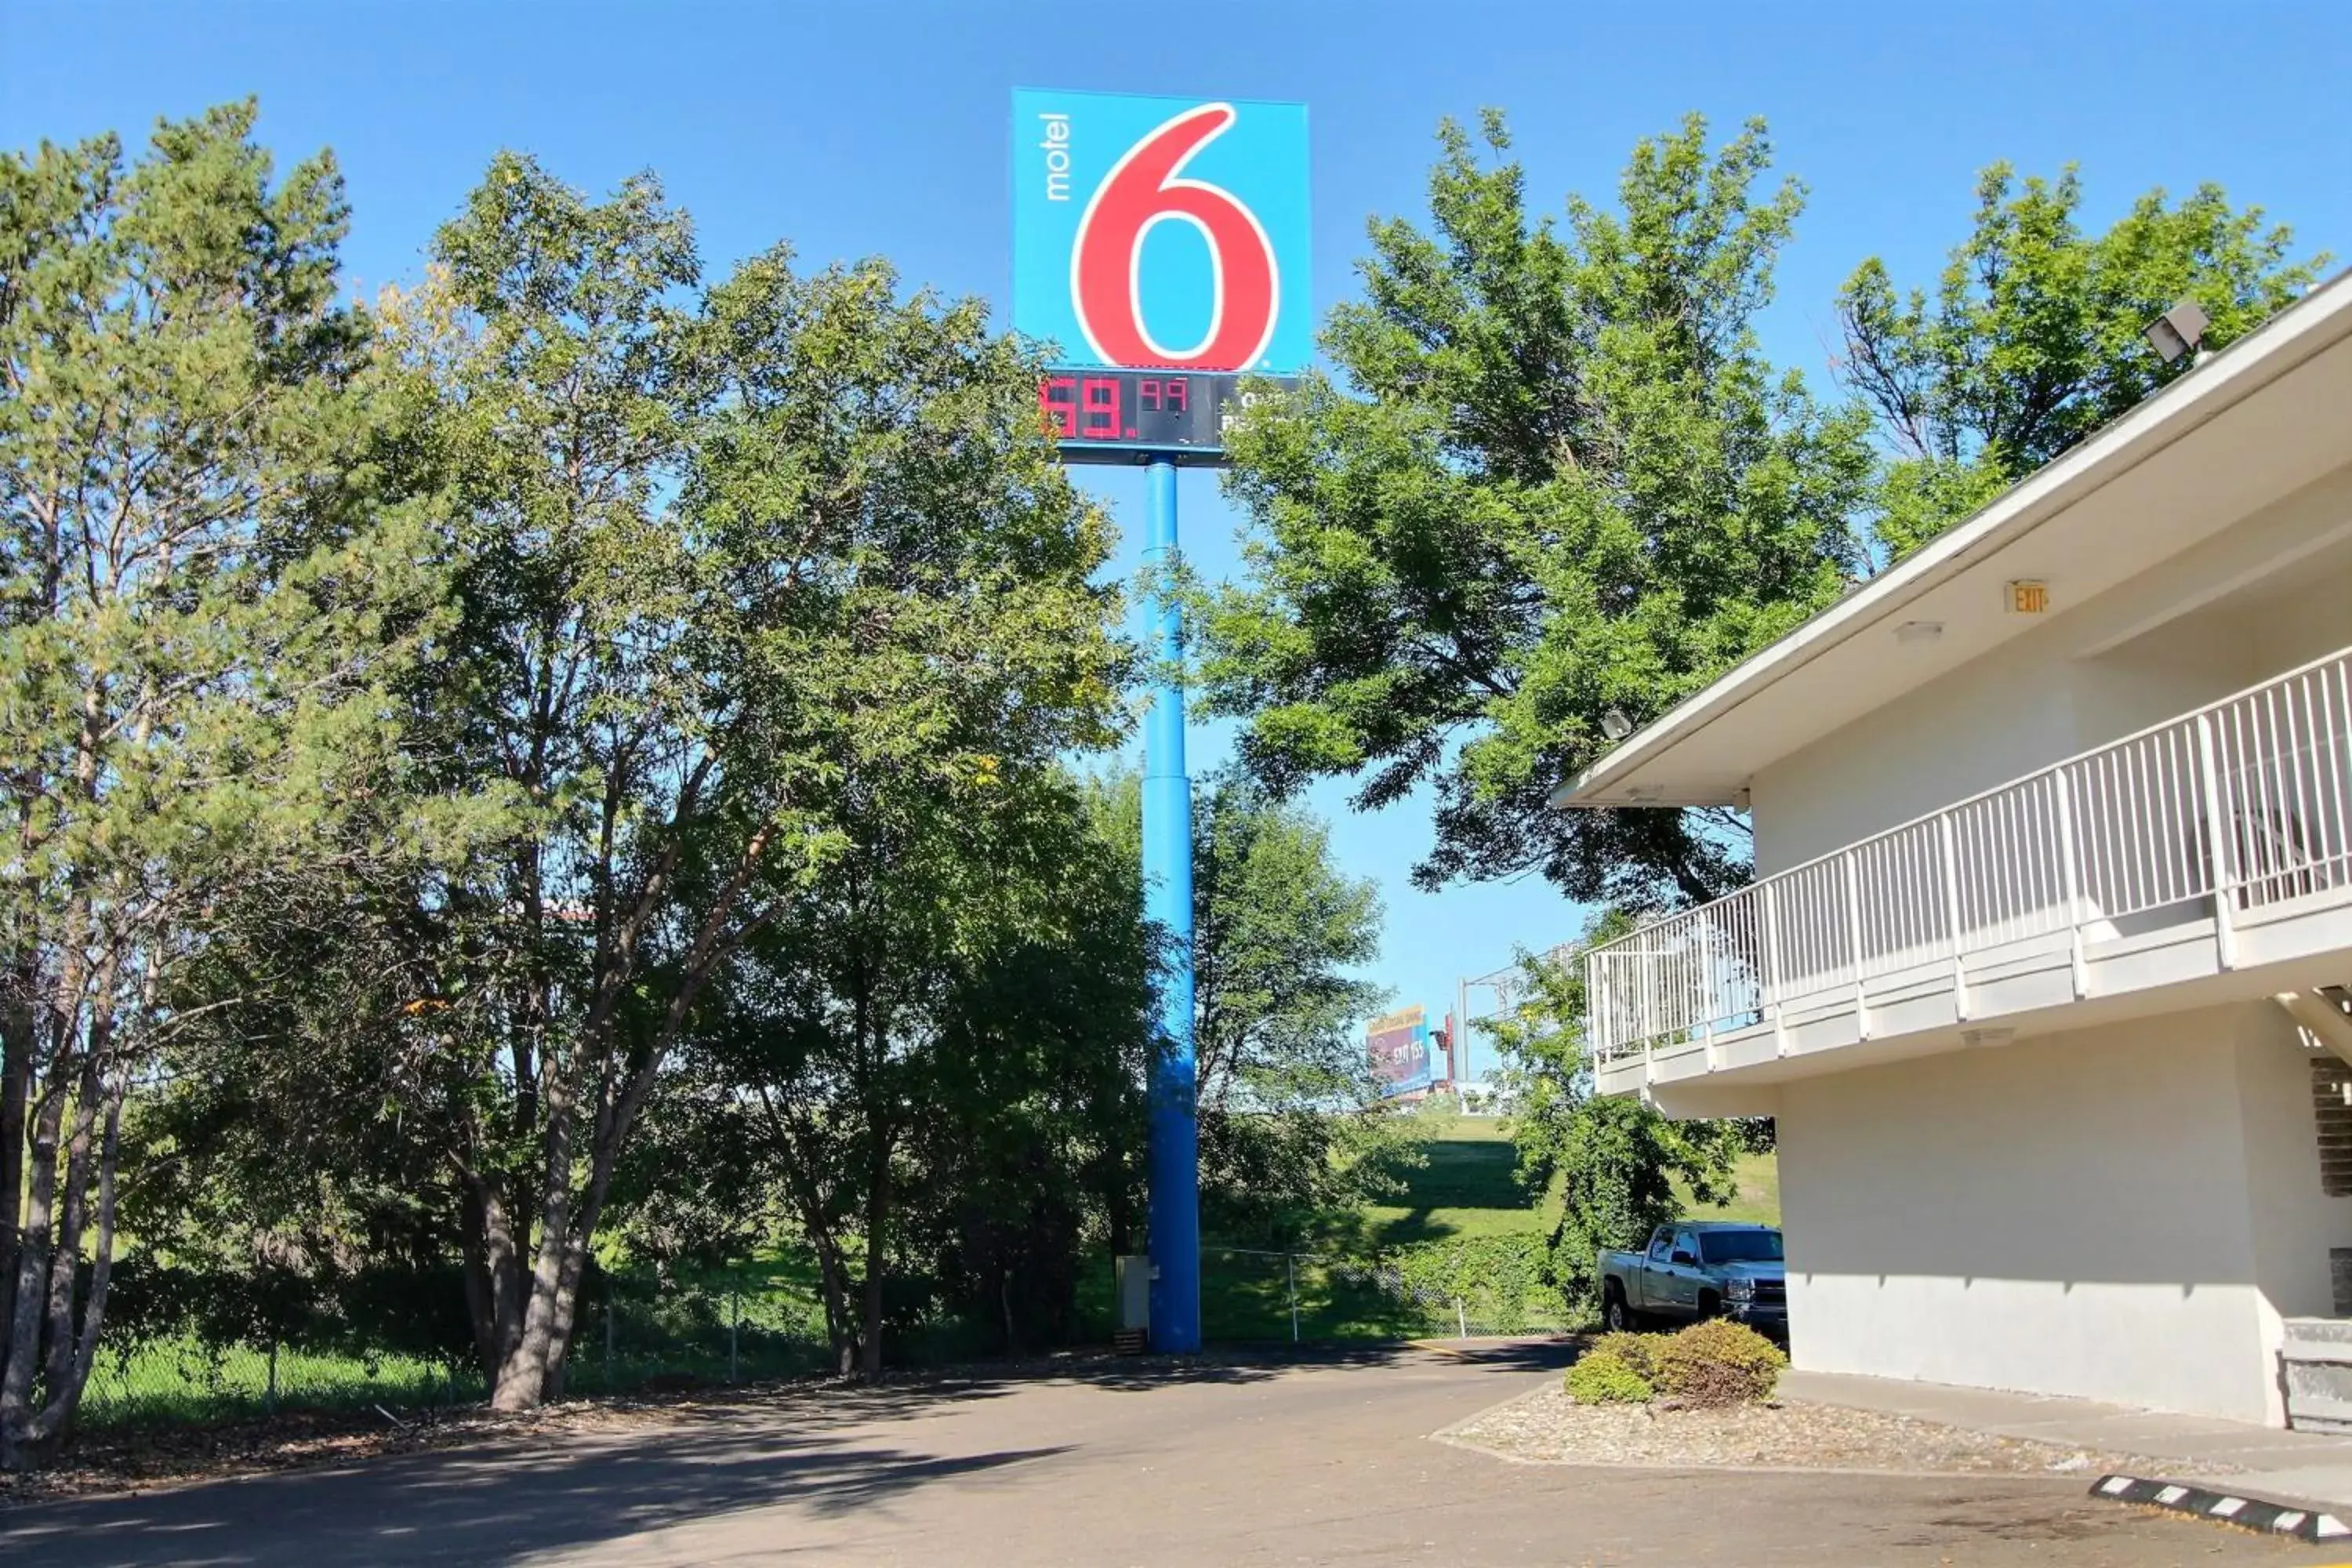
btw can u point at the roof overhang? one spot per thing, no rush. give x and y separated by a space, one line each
2253 423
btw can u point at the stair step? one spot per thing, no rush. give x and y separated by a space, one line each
2307 1380
2332 1334
2299 1421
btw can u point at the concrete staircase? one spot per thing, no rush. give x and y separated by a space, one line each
2315 1363
2324 1013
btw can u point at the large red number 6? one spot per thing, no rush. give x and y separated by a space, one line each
1105 262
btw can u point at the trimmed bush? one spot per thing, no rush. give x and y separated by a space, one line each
1636 1351
1718 1363
1604 1377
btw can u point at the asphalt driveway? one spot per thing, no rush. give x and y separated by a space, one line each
1319 1462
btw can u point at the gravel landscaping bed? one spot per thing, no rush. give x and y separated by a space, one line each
1549 1427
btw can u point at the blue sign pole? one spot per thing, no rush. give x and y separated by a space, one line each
1154 340
1175 1199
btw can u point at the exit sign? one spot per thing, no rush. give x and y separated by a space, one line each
2028 598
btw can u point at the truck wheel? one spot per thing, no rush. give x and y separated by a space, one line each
1615 1316
1710 1305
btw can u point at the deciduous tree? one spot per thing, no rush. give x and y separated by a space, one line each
728 564
1281 939
937 1055
2034 337
1552 476
1612 1159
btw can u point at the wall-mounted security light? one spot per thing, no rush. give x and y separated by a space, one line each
1615 725
1911 632
2177 331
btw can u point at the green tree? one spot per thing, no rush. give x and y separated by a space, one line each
1288 1109
292 1181
2034 338
726 563
203 602
935 1058
1611 1159
1555 478
743 579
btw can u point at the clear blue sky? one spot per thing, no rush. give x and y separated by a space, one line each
866 128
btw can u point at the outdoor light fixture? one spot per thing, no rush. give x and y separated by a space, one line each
2177 331
1615 725
1919 631
1995 1036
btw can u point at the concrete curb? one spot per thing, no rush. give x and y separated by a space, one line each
2246 1513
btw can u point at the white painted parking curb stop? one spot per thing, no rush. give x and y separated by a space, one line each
2246 1513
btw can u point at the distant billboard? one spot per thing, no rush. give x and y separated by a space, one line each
1161 233
1397 1046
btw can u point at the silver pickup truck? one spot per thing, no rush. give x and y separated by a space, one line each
1699 1268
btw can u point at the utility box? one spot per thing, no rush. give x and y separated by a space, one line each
1133 1280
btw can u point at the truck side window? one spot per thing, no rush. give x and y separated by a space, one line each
1686 1247
1659 1244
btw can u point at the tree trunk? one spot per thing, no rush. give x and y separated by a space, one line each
532 1370
494 1282
877 1217
25 1322
833 1279
566 1307
521 1381
18 1018
45 1332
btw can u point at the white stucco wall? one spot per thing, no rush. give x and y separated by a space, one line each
2120 1215
2293 1223
2268 594
2313 618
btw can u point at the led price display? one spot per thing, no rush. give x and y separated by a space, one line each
1113 415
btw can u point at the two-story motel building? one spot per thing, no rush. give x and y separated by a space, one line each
2042 973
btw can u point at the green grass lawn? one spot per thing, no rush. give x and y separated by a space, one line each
1467 1185
1759 1199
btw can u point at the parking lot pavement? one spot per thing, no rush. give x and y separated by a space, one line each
1121 1464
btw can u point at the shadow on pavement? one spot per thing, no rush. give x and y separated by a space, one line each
1244 1362
539 1492
492 1503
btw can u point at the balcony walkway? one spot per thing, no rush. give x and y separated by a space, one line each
2211 852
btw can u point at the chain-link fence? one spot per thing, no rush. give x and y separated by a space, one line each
632 1333
671 1334
648 1331
1428 1290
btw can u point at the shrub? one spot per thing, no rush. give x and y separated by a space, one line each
1604 1377
1718 1363
1636 1351
1498 1278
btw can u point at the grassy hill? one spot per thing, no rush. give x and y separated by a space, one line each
1759 1199
1468 1185
1464 1187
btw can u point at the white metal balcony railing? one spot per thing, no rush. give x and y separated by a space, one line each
2116 838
